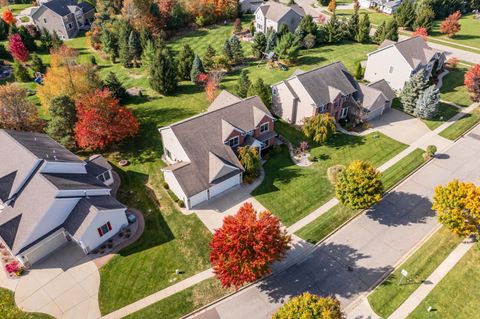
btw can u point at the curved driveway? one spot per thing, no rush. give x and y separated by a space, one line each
358 256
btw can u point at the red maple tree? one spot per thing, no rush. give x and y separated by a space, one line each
17 48
8 17
472 82
102 121
450 26
243 249
421 32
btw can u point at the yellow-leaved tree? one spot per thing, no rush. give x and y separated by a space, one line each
310 306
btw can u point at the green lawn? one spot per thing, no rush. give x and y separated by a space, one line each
457 295
376 18
445 112
292 192
9 310
390 295
339 214
16 8
183 302
469 34
461 126
453 89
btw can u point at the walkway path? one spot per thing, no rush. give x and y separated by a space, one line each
427 286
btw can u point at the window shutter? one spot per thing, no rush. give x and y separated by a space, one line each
100 232
109 226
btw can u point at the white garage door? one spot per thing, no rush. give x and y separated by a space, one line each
223 186
375 113
45 247
198 198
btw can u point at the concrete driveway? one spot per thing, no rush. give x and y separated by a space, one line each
64 285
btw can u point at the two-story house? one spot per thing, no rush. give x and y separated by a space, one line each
273 14
396 62
201 150
48 197
64 17
329 89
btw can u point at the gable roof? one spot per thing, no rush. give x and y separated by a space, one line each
225 98
60 7
97 164
275 10
375 95
202 138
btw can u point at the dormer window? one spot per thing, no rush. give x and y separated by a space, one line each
234 141
264 127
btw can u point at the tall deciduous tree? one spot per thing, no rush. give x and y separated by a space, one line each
8 17
163 74
472 82
427 103
185 61
250 160
319 127
16 112
359 185
259 45
63 116
262 90
243 84
243 249
332 5
102 121
450 26
17 49
412 91
457 207
311 306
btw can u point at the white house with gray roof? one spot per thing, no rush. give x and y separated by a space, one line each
273 14
329 89
396 62
48 197
201 150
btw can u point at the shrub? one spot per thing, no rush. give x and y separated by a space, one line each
277 149
165 185
92 60
181 203
312 158
431 150
452 63
333 171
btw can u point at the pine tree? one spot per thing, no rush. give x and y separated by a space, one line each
353 26
56 41
236 49
427 103
283 30
134 47
259 45
124 52
306 26
424 18
287 48
358 74
332 29
45 39
379 35
405 14
412 91
243 84
20 72
148 53
208 58
63 117
163 75
37 64
3 30
109 44
184 62
197 69
363 34
391 32
271 41
227 50
259 88
27 38
113 84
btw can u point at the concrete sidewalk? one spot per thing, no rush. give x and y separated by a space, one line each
431 282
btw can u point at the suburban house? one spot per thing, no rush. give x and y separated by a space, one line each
64 17
201 150
273 14
249 6
329 89
396 62
385 6
48 197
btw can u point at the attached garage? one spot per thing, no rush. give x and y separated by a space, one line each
197 199
45 247
375 113
225 185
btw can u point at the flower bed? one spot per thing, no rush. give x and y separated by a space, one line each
11 266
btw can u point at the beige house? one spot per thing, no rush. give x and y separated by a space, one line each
273 14
329 89
396 62
201 151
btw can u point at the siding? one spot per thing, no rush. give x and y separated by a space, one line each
171 143
291 19
378 67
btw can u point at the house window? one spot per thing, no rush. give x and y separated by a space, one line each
322 108
169 155
264 127
259 26
345 98
44 20
234 141
274 91
390 70
69 26
104 229
104 176
344 113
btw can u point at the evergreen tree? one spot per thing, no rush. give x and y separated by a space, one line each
4 54
134 47
45 39
262 90
113 84
227 50
20 72
63 116
197 69
109 44
37 64
353 26
363 34
391 32
184 62
208 58
424 18
332 30
56 41
379 34
236 49
358 74
427 103
124 52
283 30
243 84
412 91
3 30
271 41
163 75
287 48
27 39
306 26
405 14
259 45
148 53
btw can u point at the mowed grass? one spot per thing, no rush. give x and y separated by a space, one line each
16 8
339 214
453 90
469 34
390 294
457 295
292 192
9 310
445 112
461 126
376 18
183 302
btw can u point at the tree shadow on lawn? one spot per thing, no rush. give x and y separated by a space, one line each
308 59
332 269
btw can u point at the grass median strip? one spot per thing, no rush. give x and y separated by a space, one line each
390 294
339 214
461 126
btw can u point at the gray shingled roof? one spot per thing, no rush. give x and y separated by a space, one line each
60 7
275 10
202 135
225 98
74 181
375 95
97 164
385 88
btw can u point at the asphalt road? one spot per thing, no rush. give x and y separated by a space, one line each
355 258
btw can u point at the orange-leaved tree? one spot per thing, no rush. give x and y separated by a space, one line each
450 26
8 17
472 82
421 32
243 249
102 121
